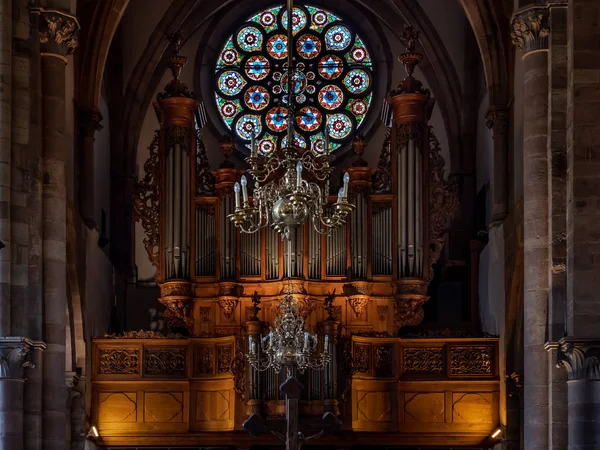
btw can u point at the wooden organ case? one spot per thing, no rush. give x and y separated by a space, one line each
218 286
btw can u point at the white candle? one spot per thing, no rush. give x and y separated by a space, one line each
340 195
270 338
299 175
245 189
254 348
305 340
326 343
250 342
346 181
236 189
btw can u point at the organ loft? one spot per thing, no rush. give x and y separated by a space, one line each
299 224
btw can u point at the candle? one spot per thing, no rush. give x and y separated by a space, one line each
340 195
236 189
326 343
250 342
254 348
305 340
270 338
245 189
299 175
346 181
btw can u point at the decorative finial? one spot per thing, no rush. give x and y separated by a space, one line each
328 304
227 145
176 62
359 145
254 308
410 59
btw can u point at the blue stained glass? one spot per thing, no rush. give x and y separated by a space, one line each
228 109
357 81
338 37
231 83
247 126
298 20
268 19
339 126
299 141
250 39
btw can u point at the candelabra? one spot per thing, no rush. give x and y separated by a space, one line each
288 343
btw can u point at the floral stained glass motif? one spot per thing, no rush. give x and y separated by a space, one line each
332 80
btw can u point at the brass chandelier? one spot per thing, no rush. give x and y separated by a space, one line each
283 197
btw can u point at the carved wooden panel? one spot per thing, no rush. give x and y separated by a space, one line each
374 406
224 358
204 360
472 407
471 360
119 361
163 407
423 360
117 407
383 360
165 361
424 407
362 358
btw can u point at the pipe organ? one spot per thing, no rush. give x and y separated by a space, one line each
220 286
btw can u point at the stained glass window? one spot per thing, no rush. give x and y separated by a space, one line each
332 78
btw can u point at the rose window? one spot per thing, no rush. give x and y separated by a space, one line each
332 80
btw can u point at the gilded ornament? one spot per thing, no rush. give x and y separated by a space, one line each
59 32
471 360
167 361
420 360
531 30
119 361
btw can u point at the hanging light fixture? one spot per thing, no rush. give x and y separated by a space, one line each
291 186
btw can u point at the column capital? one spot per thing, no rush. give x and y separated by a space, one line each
90 121
14 352
530 29
581 358
59 32
497 119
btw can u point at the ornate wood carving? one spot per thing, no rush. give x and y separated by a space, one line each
228 306
178 312
443 200
471 360
336 313
382 357
205 180
167 361
204 314
408 131
359 305
224 358
119 361
204 359
423 360
146 203
382 312
176 289
362 358
410 298
238 369
383 175
142 334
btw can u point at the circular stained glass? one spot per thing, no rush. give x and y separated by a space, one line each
250 39
308 46
331 97
338 37
257 67
309 119
298 140
231 83
299 20
339 126
257 98
332 79
330 67
248 125
277 46
357 81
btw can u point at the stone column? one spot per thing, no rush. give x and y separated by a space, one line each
58 37
89 123
530 34
581 358
497 120
13 362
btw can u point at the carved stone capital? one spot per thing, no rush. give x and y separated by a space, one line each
581 358
14 357
89 122
497 119
59 32
530 29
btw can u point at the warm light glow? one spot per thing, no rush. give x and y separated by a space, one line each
94 432
497 433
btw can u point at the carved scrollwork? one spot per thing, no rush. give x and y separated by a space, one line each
205 180
362 358
178 312
224 358
59 32
176 289
423 360
382 312
471 360
359 305
336 313
306 307
204 360
443 200
238 369
405 132
142 334
409 311
382 357
382 180
228 306
168 361
146 203
204 312
119 361
531 30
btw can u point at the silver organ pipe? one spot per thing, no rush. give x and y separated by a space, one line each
381 236
272 254
178 196
250 254
358 243
227 238
206 238
314 254
410 251
336 252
